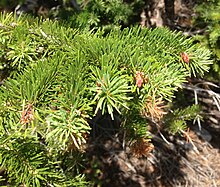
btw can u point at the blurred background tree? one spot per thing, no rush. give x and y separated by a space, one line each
97 13
208 23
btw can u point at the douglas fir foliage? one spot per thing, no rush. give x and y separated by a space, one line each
59 78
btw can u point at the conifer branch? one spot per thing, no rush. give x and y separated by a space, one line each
61 77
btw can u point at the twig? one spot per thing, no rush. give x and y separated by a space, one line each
196 102
190 140
158 129
207 83
215 96
192 88
162 136
216 102
190 33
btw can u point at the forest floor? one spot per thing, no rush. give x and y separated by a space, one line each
174 162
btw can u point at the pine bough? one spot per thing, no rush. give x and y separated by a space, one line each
58 78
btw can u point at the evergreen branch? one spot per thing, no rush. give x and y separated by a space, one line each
33 84
64 127
111 89
175 122
63 77
27 157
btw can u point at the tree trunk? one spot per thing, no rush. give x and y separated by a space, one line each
158 13
169 10
155 13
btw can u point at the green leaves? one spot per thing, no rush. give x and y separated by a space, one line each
33 85
27 162
176 121
17 45
111 88
66 127
199 60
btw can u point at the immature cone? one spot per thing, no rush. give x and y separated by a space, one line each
185 57
27 115
140 79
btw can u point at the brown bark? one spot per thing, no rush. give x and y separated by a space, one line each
155 13
158 13
169 10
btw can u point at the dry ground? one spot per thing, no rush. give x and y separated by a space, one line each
178 163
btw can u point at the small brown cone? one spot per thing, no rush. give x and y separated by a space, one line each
185 57
27 114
